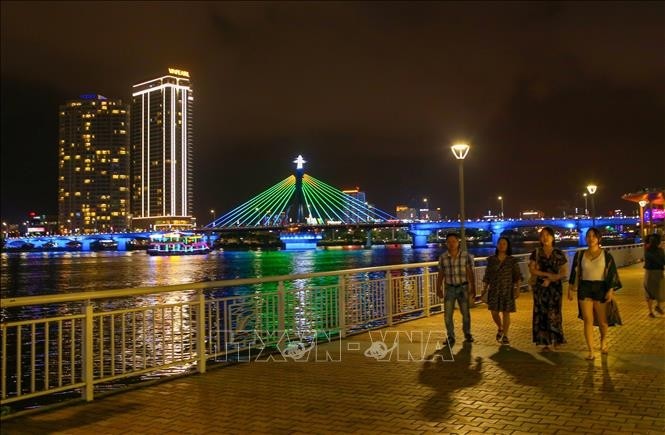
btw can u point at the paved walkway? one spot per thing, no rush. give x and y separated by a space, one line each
479 388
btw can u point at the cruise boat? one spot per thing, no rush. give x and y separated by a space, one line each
176 243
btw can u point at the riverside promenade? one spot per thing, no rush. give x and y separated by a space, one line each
401 380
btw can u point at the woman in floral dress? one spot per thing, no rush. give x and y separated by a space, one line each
548 264
502 286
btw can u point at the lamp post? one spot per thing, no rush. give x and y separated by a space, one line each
501 201
586 205
460 151
642 204
212 215
592 189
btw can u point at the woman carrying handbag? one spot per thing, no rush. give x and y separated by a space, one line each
595 279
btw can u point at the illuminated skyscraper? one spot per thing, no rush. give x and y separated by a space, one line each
161 144
93 175
358 195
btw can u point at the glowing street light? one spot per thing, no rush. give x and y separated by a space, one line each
500 198
592 189
460 151
212 214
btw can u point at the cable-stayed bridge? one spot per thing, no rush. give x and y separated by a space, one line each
300 199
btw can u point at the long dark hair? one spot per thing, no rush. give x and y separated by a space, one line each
653 242
595 232
509 250
550 231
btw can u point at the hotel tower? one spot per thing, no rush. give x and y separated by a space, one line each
161 153
93 165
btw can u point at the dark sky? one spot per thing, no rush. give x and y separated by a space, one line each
551 96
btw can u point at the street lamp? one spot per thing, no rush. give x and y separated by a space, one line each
642 204
460 151
212 215
501 201
592 189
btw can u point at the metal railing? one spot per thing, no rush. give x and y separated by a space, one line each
56 343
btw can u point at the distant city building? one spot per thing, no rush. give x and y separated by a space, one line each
39 225
93 172
161 144
425 214
532 214
405 213
358 195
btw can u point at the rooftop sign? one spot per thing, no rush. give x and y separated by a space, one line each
179 72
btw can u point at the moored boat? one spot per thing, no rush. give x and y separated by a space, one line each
138 243
177 243
104 245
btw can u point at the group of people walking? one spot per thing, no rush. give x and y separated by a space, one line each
593 279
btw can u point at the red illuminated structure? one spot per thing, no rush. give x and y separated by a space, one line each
653 200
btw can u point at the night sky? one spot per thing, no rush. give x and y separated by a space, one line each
551 96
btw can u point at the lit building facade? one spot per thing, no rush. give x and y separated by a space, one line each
93 171
532 214
349 214
406 213
429 215
161 146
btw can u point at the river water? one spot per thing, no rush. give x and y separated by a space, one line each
28 274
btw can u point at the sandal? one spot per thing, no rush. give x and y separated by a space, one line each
505 340
499 334
590 357
651 315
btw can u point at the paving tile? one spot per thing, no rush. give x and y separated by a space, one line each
486 389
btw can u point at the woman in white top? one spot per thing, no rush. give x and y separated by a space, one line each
594 277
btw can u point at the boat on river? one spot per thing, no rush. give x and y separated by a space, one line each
104 245
177 243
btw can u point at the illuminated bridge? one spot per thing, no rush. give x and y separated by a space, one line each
298 206
420 231
301 206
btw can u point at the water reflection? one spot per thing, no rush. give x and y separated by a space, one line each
26 274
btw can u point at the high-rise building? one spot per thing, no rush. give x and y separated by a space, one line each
93 175
350 214
161 145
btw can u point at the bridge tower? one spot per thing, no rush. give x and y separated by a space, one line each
297 209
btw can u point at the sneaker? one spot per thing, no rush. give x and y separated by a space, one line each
468 339
505 340
659 310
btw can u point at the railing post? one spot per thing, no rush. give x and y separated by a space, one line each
389 298
281 311
426 290
87 357
201 332
341 305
